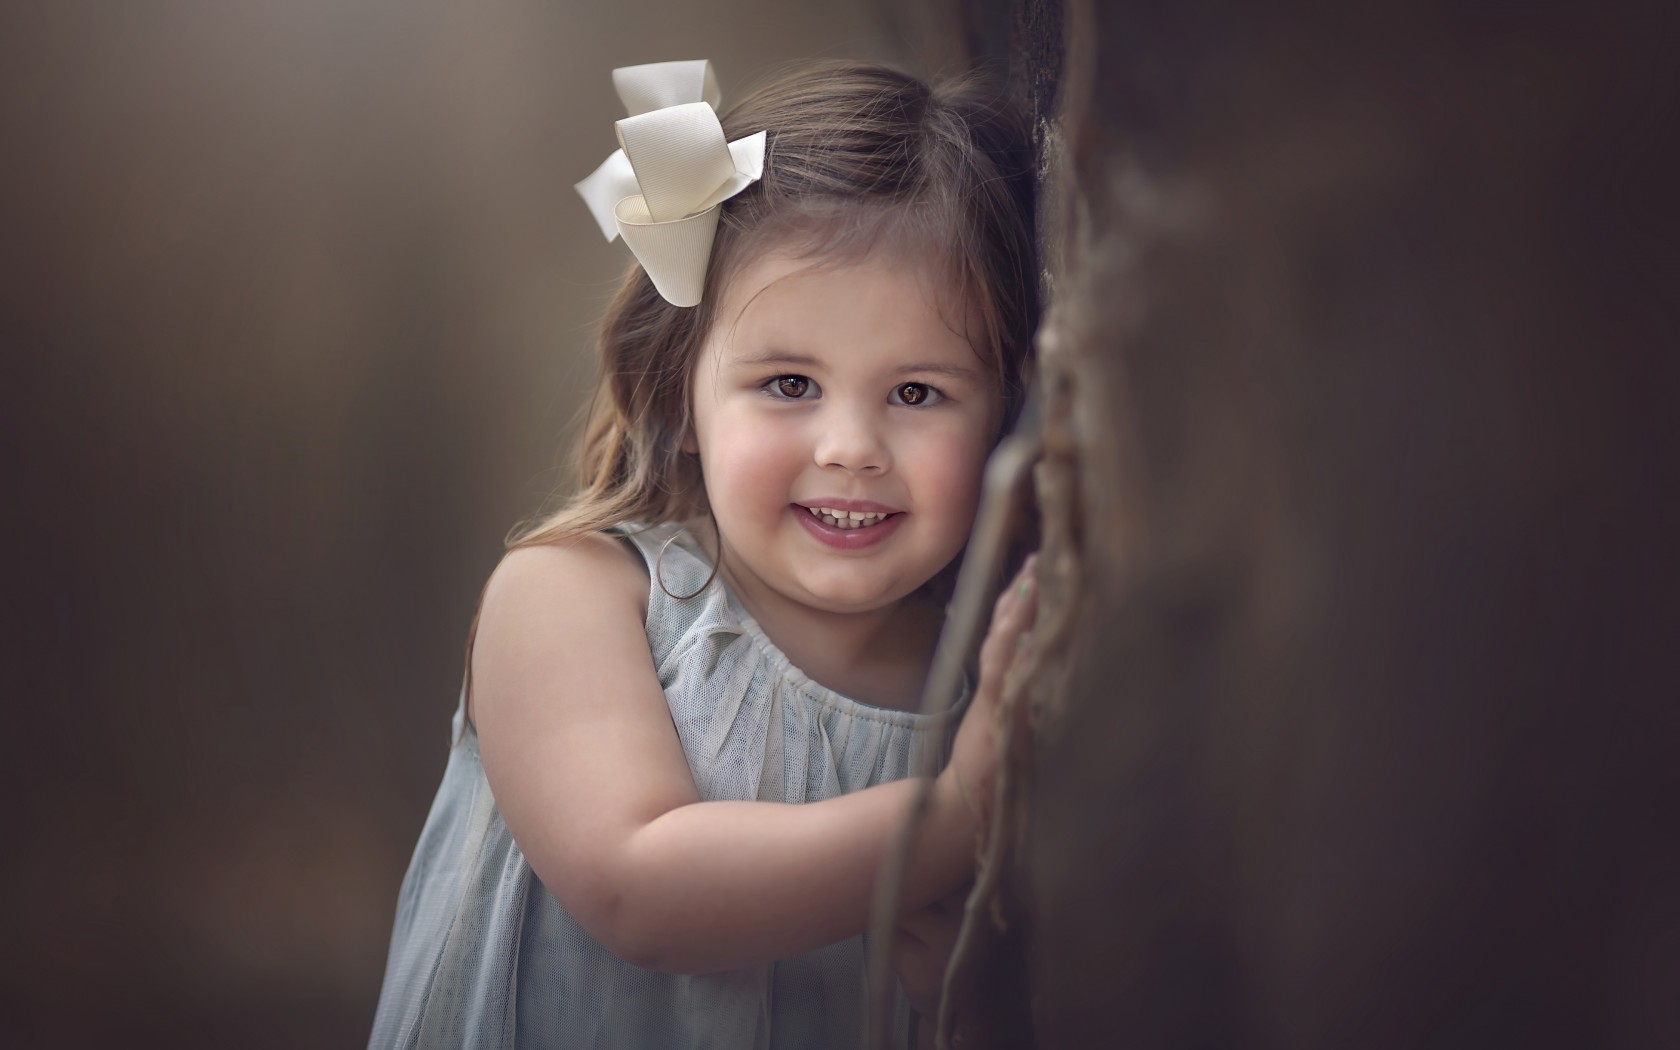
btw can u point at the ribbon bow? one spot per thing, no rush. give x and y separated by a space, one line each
663 189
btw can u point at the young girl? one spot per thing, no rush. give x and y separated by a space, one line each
691 694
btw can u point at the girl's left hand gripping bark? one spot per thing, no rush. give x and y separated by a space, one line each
975 756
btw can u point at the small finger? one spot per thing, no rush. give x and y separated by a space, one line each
1025 578
1015 588
1016 608
1023 598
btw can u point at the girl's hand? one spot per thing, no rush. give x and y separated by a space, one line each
972 772
921 951
586 767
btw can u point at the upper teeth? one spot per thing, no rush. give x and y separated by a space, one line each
846 519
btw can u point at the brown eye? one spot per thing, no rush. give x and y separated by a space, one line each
792 386
913 393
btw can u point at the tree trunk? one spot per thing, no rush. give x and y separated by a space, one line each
1356 691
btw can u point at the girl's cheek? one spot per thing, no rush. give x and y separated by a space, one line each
764 441
955 462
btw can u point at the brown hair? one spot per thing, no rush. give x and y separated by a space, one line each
855 154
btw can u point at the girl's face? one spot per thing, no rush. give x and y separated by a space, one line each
842 425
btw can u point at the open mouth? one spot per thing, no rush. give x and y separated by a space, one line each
848 519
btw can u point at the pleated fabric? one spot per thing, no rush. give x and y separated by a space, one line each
483 956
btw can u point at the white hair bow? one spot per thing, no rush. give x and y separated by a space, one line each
663 189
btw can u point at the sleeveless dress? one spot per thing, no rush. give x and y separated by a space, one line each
483 956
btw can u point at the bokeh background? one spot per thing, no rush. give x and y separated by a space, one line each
297 320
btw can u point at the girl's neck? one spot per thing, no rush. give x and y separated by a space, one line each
880 657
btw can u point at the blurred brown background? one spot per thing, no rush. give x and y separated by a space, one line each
1366 355
297 310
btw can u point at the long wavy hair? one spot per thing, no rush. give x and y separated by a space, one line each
857 156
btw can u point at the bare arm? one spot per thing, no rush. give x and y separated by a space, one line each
589 774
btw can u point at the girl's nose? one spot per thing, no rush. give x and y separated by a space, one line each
851 440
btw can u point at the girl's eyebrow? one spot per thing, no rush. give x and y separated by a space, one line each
948 370
775 357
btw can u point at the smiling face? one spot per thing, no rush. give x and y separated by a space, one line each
842 424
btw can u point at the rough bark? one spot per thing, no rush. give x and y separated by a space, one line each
1358 506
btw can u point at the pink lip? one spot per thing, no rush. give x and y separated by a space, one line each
862 505
848 539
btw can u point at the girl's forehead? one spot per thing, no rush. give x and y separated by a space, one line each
886 296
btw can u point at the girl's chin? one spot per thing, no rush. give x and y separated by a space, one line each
847 598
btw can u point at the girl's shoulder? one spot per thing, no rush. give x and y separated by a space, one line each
587 553
595 570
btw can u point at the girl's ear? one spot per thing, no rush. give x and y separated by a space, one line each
688 444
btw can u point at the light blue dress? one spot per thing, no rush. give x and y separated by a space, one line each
483 956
